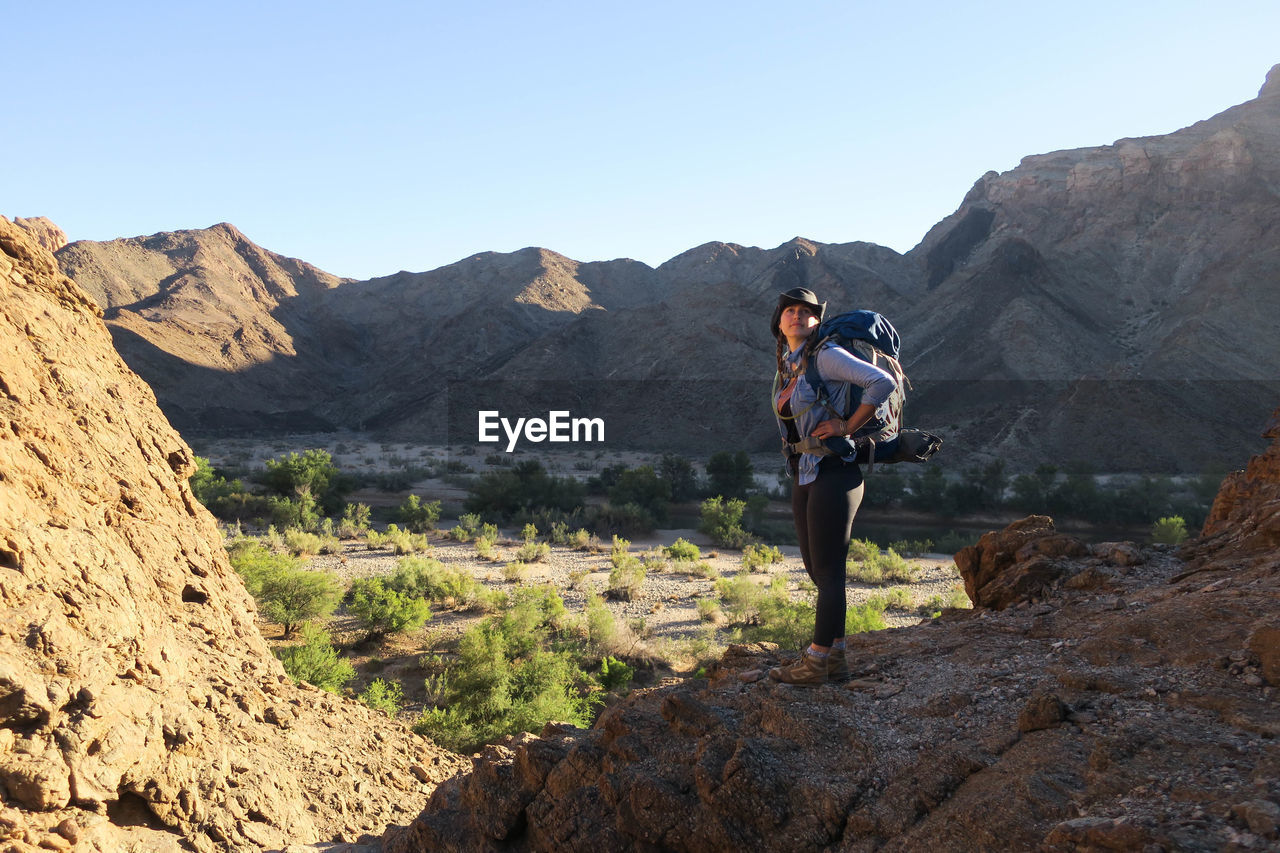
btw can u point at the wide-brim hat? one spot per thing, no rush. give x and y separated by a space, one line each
796 296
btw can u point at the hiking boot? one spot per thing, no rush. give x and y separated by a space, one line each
837 666
807 671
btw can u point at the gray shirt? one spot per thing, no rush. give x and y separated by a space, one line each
839 369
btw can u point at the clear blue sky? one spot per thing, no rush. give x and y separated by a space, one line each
370 138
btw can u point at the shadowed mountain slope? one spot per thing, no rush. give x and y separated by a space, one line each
1114 304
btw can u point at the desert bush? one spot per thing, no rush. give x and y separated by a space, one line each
722 521
680 477
898 598
384 696
881 568
533 552
509 677
300 511
615 675
642 487
418 517
467 527
619 550
708 609
311 473
529 532
559 533
654 560
861 550
525 487
226 499
765 614
758 558
303 544
912 547
628 519
955 598
859 620
484 547
1169 531
355 521
316 661
380 610
515 572
252 561
626 580
583 540
683 550
428 578
730 474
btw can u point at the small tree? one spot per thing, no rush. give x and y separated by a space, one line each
722 521
679 474
417 516
730 474
643 487
291 596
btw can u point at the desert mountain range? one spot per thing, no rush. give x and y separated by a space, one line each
1115 305
1099 696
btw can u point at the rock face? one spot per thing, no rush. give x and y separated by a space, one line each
1122 701
138 702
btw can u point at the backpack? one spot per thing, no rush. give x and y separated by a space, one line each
872 338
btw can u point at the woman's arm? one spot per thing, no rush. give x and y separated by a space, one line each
835 426
836 364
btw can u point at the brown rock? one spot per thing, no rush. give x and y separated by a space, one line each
1261 816
1044 711
1016 563
129 657
1265 643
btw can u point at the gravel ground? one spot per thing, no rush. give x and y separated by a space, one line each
668 603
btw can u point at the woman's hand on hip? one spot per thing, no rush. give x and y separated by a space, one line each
829 429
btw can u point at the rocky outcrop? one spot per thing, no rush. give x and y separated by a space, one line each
1117 702
138 702
1246 513
46 234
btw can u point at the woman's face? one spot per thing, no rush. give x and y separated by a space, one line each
797 320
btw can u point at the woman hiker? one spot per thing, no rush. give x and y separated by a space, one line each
826 490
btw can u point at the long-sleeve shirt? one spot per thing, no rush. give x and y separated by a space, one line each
838 369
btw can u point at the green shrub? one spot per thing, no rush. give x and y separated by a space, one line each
355 521
529 533
509 677
300 511
912 547
956 598
316 661
722 521
708 609
381 611
898 598
614 674
862 550
758 558
603 633
311 475
533 552
253 561
583 540
730 474
859 620
484 547
629 519
560 533
683 550
418 517
467 527
428 578
626 580
515 572
620 552
643 488
679 475
303 544
524 487
881 568
1169 531
384 696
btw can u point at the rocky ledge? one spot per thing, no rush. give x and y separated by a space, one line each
1104 697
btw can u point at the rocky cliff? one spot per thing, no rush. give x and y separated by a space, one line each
1099 697
138 703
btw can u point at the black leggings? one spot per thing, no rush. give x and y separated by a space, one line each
823 511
